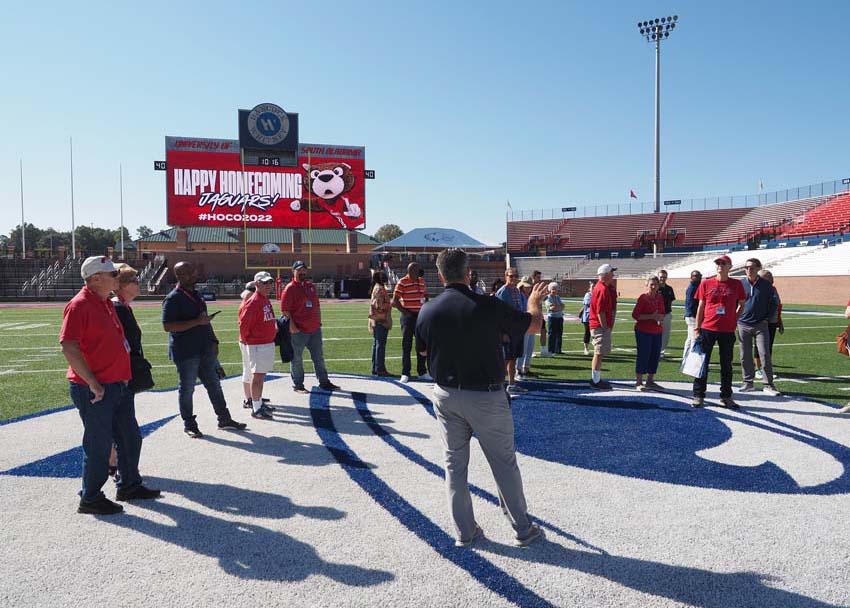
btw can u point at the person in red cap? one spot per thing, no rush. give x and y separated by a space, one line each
257 331
721 299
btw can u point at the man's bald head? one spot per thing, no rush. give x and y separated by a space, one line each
185 272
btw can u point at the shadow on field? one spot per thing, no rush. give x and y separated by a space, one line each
243 550
690 586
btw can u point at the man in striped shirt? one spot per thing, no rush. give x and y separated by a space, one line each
408 297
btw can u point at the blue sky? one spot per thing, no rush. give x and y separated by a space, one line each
461 106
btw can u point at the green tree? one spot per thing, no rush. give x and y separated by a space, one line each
33 235
388 232
143 232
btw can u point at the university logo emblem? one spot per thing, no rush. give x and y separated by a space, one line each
268 124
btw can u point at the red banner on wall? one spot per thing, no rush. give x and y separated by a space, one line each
207 185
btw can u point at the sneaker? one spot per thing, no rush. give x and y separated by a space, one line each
531 374
586 352
262 414
845 409
193 432
268 408
385 374
759 374
101 506
404 379
747 387
652 385
329 386
546 354
232 424
426 377
533 535
513 389
266 401
698 402
300 389
729 404
140 492
602 385
476 536
640 387
247 404
769 389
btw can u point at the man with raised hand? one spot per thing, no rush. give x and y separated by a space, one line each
759 307
462 334
300 302
603 310
257 331
408 297
720 302
193 347
98 356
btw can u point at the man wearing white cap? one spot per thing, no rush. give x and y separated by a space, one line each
98 356
603 310
257 330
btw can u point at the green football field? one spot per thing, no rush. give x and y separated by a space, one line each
32 368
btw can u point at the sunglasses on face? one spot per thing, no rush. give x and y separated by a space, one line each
751 267
512 276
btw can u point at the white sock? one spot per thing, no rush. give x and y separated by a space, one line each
257 403
596 375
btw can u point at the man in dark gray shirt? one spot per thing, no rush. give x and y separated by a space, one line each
753 325
462 333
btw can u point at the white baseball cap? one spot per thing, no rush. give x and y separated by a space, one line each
97 263
263 277
605 269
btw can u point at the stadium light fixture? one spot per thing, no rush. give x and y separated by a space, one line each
656 30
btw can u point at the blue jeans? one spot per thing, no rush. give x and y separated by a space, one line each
188 371
313 342
648 352
112 419
379 348
408 337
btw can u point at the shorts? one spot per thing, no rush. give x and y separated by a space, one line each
256 359
514 349
601 339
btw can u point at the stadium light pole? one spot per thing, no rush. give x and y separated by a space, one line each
656 30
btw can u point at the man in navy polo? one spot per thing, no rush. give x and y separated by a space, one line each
462 334
193 347
753 326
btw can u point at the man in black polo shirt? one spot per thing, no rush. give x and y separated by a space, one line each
193 347
669 296
462 334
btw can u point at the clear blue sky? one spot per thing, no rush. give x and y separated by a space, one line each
461 105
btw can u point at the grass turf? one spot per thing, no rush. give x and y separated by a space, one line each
32 368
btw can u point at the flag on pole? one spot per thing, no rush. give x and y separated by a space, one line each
761 185
509 205
632 194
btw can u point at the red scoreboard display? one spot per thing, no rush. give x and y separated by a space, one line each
210 183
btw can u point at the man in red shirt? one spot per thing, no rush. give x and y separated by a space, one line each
300 302
257 330
721 299
603 309
98 356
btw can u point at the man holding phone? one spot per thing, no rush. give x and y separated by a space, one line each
193 347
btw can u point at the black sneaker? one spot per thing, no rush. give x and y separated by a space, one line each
729 404
247 404
602 385
140 492
230 423
193 432
262 414
329 386
266 401
101 506
698 402
300 389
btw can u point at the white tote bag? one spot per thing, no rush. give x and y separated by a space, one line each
694 362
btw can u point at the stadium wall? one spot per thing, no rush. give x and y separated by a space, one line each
834 290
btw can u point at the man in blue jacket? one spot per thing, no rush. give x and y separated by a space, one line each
691 304
752 325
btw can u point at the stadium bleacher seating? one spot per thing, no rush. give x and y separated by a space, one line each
521 234
767 220
613 232
832 217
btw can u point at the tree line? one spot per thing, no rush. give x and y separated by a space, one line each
88 238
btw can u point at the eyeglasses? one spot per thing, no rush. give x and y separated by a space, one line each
751 267
512 276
